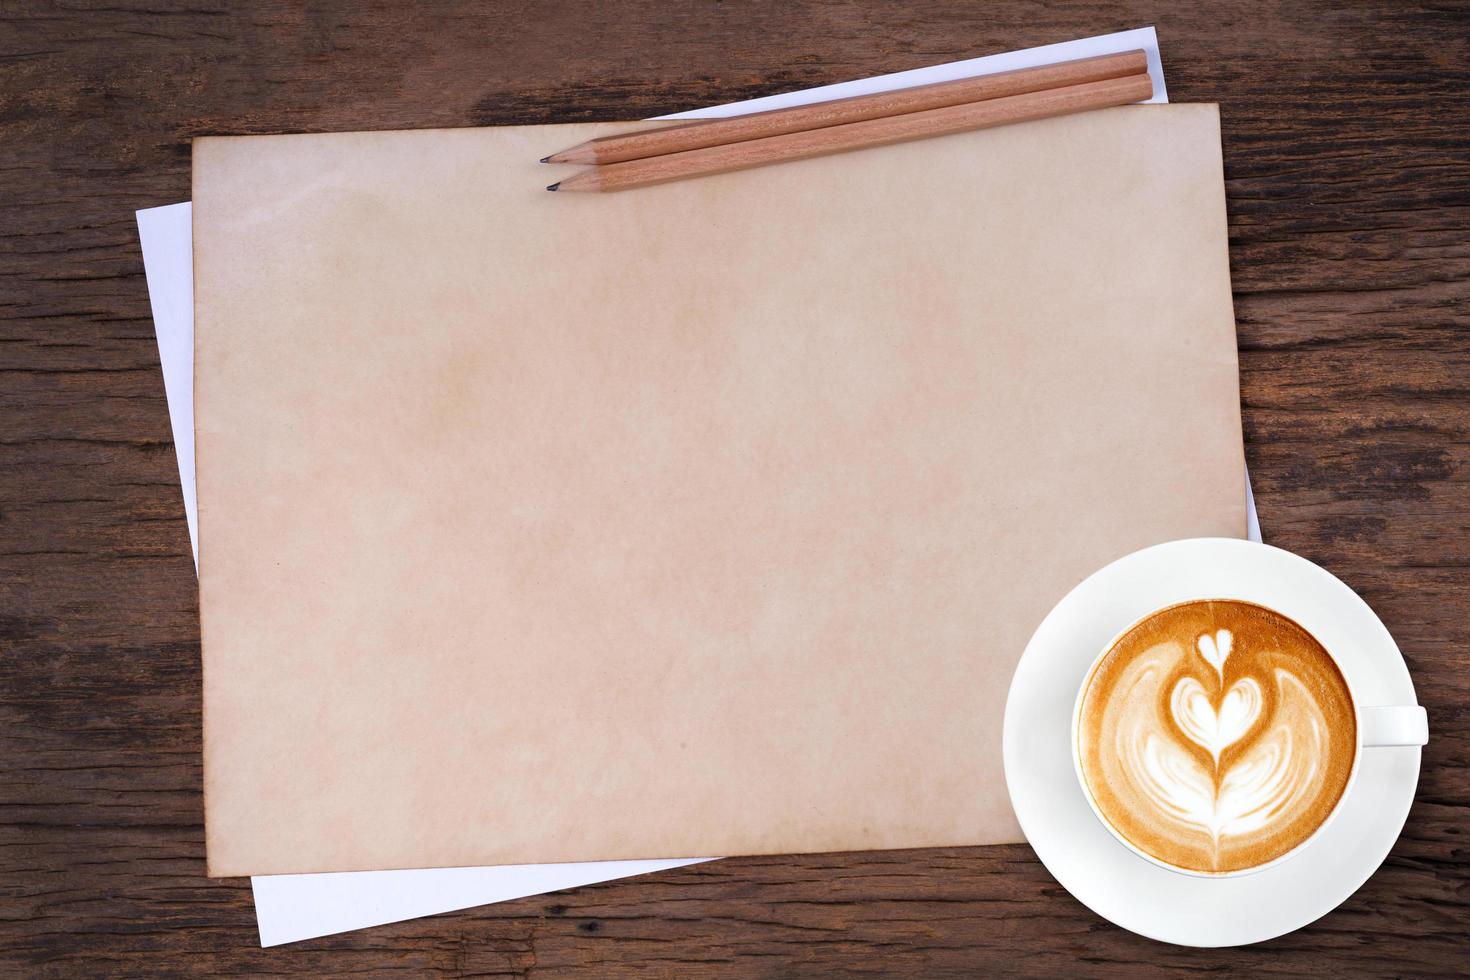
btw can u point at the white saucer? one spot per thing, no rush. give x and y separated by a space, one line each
1121 886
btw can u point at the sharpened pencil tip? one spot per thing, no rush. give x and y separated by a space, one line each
552 187
546 159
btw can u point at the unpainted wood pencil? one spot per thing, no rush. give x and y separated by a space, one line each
877 105
853 136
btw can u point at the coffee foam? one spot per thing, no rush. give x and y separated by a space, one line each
1216 735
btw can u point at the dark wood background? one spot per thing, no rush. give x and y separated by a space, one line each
1347 163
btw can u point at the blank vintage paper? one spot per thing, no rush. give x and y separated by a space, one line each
704 519
293 907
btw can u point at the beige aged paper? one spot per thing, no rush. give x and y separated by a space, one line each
704 519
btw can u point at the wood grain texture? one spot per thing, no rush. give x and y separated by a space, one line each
1348 183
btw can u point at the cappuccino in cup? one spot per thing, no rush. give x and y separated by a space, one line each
1215 736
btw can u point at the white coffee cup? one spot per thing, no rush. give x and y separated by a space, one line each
1377 726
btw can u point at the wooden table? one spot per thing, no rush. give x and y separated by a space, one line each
1347 158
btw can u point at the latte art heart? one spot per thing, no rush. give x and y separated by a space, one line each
1215 728
1216 735
1232 799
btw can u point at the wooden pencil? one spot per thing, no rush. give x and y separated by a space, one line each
859 135
795 119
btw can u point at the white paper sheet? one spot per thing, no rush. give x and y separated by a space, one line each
292 907
296 907
167 236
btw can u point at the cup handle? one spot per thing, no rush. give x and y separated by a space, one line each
1393 724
